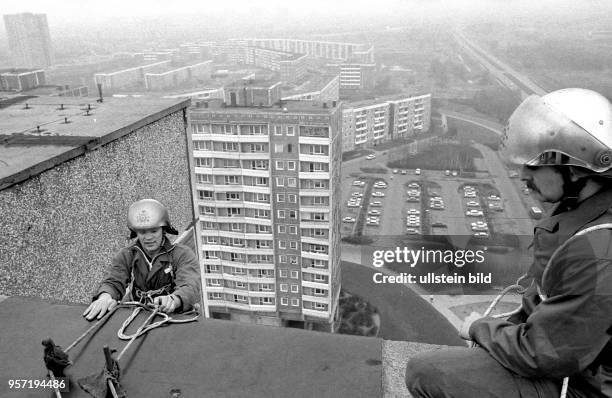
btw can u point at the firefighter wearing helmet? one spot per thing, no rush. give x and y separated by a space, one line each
152 269
560 341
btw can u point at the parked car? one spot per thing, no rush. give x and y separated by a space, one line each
446 172
370 157
374 212
439 225
493 197
481 234
413 199
348 219
404 172
413 231
395 171
417 171
474 213
454 173
414 211
414 185
513 174
358 183
469 194
472 203
413 192
378 194
376 203
357 194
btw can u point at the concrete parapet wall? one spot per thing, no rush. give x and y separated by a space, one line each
62 227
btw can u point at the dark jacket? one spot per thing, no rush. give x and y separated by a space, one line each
175 267
567 331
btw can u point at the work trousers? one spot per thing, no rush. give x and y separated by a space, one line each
458 372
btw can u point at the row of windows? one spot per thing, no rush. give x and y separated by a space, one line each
238 298
231 163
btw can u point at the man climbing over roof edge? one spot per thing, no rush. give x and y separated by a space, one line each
563 141
152 269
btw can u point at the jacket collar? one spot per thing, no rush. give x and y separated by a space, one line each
571 221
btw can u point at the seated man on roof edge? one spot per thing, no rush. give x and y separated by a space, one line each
152 268
560 342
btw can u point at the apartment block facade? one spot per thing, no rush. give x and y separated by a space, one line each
29 40
267 181
370 122
354 52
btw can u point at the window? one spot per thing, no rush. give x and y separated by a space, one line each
293 244
260 213
319 278
208 225
293 259
282 244
284 287
205 195
319 306
277 130
280 181
291 198
253 130
240 285
293 229
257 148
266 300
232 196
318 216
211 254
266 287
259 164
235 226
291 181
265 273
295 289
230 147
232 180
238 298
289 148
290 165
262 197
281 214
203 162
318 149
295 274
215 296
282 229
278 148
202 145
317 232
280 197
292 214
290 131
203 178
201 128
237 242
213 282
316 167
284 301
279 165
263 181
318 200
295 302
262 244
208 210
282 258
319 263
211 240
233 212
264 229
282 273
231 163
320 292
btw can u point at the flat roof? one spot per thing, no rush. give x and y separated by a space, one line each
295 106
36 139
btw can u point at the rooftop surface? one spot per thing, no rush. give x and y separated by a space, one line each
208 358
35 137
296 106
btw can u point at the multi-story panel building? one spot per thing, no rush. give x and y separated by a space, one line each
29 40
318 88
361 53
267 179
367 123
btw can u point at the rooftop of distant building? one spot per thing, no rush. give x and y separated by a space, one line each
383 99
37 133
290 106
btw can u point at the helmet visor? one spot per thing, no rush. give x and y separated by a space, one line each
538 135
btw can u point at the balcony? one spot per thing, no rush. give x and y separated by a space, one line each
315 209
306 157
316 299
316 313
315 256
314 240
314 175
314 224
316 285
314 192
314 140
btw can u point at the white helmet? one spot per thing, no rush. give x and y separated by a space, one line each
572 126
149 213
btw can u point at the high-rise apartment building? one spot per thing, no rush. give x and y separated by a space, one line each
29 40
267 181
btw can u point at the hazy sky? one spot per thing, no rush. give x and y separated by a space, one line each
60 9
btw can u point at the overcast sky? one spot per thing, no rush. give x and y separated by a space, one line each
87 9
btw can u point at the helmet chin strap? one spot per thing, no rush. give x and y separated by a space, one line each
571 190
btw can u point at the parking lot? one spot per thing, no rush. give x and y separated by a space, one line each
445 204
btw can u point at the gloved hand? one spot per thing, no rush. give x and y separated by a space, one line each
105 302
168 303
464 331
